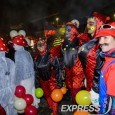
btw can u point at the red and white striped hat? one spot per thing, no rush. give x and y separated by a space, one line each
3 46
19 40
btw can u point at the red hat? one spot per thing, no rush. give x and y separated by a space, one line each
3 46
100 19
19 40
106 30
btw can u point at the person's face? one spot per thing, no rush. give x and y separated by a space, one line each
68 32
107 43
41 48
91 25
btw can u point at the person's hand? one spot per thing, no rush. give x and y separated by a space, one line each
94 98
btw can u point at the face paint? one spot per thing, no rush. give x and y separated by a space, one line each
91 25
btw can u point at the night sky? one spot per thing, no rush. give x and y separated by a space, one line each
14 12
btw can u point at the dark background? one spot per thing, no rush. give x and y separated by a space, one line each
32 14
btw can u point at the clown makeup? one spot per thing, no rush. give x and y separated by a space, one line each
107 43
91 25
68 32
41 46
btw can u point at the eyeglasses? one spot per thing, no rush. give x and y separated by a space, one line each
107 26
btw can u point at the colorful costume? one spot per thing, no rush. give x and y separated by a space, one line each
89 50
48 73
105 83
73 69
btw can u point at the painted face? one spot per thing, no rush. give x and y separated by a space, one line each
41 46
91 25
107 43
68 32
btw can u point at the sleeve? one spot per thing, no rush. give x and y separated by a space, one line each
58 72
37 82
110 80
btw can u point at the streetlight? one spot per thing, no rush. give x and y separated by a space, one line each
57 19
114 15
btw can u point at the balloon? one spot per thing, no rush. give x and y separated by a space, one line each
22 111
56 95
28 98
20 91
64 90
13 33
62 31
39 92
22 32
20 104
30 110
78 112
83 98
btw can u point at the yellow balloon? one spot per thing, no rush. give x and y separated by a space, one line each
62 31
83 98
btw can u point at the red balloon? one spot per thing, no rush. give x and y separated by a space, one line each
28 98
30 110
20 91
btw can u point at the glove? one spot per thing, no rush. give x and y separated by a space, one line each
94 98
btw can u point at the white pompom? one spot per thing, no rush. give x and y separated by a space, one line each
13 33
22 32
28 41
75 22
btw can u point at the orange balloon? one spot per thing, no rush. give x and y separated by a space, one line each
64 90
56 95
78 112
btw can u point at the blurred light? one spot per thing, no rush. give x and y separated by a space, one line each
114 15
57 19
32 43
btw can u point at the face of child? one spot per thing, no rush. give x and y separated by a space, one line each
107 43
41 48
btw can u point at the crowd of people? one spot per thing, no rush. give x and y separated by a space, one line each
78 60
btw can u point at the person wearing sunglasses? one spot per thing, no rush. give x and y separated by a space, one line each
106 96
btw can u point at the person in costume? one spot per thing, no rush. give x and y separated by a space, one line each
48 73
105 98
73 69
24 67
7 78
89 51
